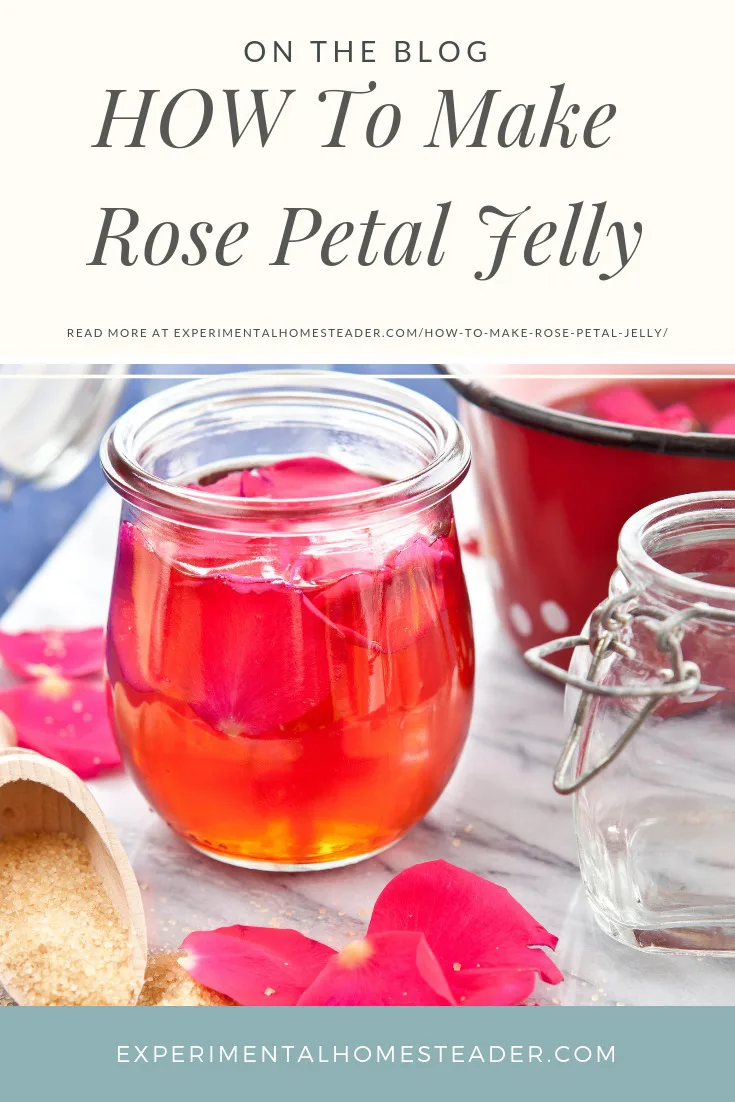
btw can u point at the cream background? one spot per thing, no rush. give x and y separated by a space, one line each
666 65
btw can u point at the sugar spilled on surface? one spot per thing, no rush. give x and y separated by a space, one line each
167 984
61 941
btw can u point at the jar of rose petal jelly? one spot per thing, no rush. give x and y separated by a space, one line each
290 653
651 755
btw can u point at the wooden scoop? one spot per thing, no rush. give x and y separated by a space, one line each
37 794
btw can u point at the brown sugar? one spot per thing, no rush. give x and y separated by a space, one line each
168 984
61 941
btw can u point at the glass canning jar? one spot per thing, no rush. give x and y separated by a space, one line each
651 754
290 678
52 419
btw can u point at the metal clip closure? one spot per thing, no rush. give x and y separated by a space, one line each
679 678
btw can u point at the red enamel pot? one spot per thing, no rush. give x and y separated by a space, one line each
556 487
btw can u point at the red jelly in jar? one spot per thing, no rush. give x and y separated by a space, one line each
290 652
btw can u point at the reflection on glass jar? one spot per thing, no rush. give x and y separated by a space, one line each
290 647
656 819
52 418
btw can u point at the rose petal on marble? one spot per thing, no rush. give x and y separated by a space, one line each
34 654
468 921
254 965
65 720
388 969
494 986
532 959
510 980
625 404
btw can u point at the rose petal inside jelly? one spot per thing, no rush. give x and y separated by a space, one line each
298 680
305 476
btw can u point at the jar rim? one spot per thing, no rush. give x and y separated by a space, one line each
126 473
634 556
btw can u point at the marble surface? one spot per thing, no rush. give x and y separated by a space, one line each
498 817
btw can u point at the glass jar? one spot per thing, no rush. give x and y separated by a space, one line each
52 419
651 755
290 679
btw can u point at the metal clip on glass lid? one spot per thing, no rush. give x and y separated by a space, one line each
651 700
678 678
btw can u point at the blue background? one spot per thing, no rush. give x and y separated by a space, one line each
35 520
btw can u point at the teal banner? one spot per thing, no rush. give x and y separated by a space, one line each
355 1054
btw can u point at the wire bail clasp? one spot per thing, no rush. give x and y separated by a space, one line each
678 678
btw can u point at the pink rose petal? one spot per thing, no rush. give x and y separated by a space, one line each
395 604
64 720
725 425
228 485
32 654
494 986
625 404
235 680
253 965
677 418
711 401
304 477
469 922
239 682
456 910
231 674
388 969
509 981
439 936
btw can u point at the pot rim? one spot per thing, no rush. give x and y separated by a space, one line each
575 426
